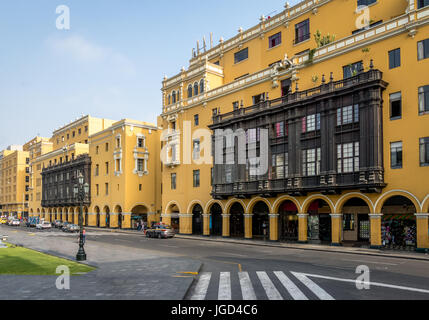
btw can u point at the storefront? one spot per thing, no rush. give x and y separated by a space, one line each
319 222
137 219
175 222
260 221
399 231
288 222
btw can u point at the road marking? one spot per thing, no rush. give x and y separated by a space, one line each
377 284
224 286
371 262
166 245
290 286
268 286
318 291
240 269
246 286
234 254
186 272
202 286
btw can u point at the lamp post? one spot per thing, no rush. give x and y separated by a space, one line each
80 191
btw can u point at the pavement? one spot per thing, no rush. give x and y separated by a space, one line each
312 247
121 272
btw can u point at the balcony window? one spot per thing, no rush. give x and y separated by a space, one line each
311 123
423 49
140 142
196 89
280 165
424 99
280 129
196 151
196 120
395 58
424 152
173 181
202 86
422 3
140 165
352 70
190 91
275 40
347 115
348 157
241 55
311 162
396 155
395 106
365 2
302 31
196 178
258 98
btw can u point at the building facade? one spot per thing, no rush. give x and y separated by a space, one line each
345 109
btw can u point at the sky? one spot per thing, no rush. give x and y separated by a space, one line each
109 64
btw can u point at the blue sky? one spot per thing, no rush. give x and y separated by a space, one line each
109 64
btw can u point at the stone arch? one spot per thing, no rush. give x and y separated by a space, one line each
254 201
425 205
193 204
170 207
106 211
260 219
279 201
355 211
288 224
310 200
216 220
197 219
85 216
231 202
139 213
343 200
319 209
118 211
236 226
97 216
210 204
383 198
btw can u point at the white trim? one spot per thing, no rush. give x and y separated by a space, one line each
169 204
195 202
384 195
228 204
317 196
357 194
212 201
256 200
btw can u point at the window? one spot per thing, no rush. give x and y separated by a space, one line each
202 86
241 55
311 162
423 49
196 178
302 31
174 96
235 105
118 142
79 131
190 91
86 128
97 187
395 106
422 3
173 125
311 123
196 89
395 58
280 129
118 165
286 85
140 142
140 165
107 167
107 146
348 222
196 152
280 166
352 69
173 181
97 170
140 187
74 134
275 40
365 2
424 152
196 120
258 98
424 99
107 189
347 115
169 99
96 149
396 155
348 157
68 136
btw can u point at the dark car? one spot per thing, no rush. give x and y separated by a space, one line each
57 224
160 231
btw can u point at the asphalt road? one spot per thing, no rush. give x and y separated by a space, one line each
240 272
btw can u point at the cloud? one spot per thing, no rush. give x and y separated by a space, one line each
82 51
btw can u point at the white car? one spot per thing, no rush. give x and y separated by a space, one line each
15 222
44 225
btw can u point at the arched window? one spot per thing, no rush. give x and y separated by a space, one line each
174 96
190 91
178 96
196 89
169 99
202 86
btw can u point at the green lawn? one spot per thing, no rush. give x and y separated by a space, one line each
21 261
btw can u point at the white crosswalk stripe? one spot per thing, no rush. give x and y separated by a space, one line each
267 284
224 286
290 286
246 286
318 291
202 286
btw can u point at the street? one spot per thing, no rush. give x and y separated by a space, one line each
245 272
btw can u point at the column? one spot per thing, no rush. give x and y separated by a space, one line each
225 225
206 225
185 223
92 220
102 220
248 234
166 219
303 227
76 218
274 227
151 217
114 220
375 228
422 232
337 227
126 222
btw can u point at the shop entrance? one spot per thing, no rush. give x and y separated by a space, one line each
356 223
197 220
237 221
399 226
319 222
260 221
216 220
107 212
174 212
139 217
288 222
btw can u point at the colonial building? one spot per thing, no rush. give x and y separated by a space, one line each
343 105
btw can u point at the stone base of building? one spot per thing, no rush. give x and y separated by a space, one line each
422 250
336 245
375 247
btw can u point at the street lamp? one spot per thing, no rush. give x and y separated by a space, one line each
80 191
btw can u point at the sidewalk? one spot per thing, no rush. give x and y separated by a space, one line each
297 246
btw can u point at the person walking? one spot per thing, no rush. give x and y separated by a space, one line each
83 235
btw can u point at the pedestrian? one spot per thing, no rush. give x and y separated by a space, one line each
83 235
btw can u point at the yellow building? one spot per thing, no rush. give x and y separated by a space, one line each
303 54
125 177
14 181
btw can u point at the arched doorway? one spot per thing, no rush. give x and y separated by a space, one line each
288 221
260 220
86 216
175 219
138 215
97 215
43 214
216 220
118 211
399 226
107 213
319 222
197 220
356 223
237 221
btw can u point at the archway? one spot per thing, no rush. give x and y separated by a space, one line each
356 223
288 221
97 215
237 220
86 218
174 212
260 220
43 214
319 222
216 220
106 211
118 211
139 216
398 225
197 220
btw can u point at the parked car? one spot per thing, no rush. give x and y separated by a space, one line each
71 228
57 223
15 223
64 225
3 220
160 231
44 225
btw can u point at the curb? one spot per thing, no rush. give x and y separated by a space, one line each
192 282
321 249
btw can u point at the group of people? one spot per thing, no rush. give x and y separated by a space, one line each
141 225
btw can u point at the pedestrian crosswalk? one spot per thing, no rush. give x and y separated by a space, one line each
259 285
